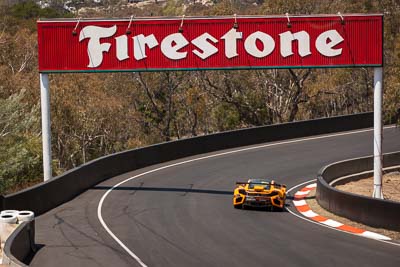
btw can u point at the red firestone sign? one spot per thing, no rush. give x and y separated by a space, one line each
149 44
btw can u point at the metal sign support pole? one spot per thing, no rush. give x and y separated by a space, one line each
46 130
378 85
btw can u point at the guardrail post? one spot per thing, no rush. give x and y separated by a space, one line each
378 81
46 131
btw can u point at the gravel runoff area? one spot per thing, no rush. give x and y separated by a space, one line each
364 187
391 191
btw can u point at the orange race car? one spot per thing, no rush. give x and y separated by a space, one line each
260 193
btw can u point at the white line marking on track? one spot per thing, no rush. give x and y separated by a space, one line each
134 256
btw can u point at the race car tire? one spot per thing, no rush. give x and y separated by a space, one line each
240 206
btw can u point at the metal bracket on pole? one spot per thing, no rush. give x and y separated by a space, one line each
46 132
378 85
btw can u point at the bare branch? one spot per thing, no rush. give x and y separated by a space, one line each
148 93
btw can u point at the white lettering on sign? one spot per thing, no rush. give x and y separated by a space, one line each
122 47
230 39
139 45
207 48
172 44
287 39
251 46
95 49
258 44
326 41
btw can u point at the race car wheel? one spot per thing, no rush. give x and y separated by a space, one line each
239 206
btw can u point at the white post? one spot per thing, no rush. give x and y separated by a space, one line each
378 81
46 132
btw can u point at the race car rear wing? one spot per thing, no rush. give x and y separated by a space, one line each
274 184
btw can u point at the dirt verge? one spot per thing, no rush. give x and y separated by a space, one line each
364 187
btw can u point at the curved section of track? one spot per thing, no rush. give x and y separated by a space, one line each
180 214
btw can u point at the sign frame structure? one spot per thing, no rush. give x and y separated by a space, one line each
211 43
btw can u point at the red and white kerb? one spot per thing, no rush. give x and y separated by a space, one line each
303 208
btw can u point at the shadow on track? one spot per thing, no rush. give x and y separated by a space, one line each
165 189
180 190
293 198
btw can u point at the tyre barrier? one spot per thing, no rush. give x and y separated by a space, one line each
25 216
8 218
15 212
22 223
16 216
367 210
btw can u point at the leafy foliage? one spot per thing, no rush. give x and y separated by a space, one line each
20 162
20 146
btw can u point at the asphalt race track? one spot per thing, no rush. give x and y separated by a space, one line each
182 215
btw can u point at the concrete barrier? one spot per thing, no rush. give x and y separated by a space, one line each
367 210
20 246
49 194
